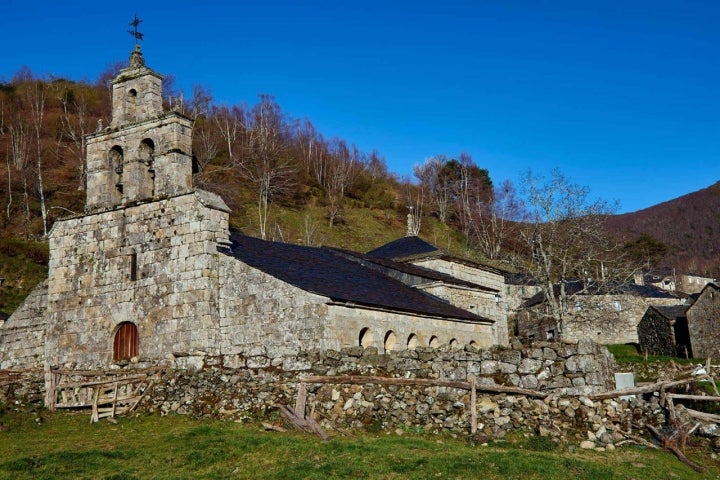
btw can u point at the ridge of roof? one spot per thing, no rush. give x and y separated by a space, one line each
416 270
412 247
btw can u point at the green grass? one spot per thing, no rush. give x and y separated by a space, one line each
173 447
629 354
23 264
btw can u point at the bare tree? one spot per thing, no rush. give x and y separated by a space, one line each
438 186
567 242
230 123
35 96
343 168
75 121
20 146
492 223
266 162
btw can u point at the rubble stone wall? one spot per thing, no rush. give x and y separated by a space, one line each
203 385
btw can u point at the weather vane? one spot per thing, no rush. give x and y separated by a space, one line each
134 32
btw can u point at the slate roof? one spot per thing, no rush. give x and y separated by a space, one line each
403 247
574 287
671 312
329 273
411 247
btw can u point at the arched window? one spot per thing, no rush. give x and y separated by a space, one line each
115 164
454 344
413 342
126 342
390 341
434 342
366 338
131 113
147 152
473 344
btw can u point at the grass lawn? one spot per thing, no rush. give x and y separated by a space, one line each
69 447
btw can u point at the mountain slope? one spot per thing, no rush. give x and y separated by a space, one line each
689 226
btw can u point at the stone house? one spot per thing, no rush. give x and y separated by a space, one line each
608 316
669 279
663 330
151 272
703 323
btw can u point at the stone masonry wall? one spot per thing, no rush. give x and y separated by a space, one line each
22 336
656 335
258 383
704 323
172 298
602 321
606 319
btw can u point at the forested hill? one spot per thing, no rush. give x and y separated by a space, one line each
281 177
285 181
688 226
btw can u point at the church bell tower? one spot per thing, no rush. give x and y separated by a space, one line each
145 153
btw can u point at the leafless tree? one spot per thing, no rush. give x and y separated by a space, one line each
75 125
266 162
414 196
492 223
230 123
342 170
437 185
35 96
20 147
567 241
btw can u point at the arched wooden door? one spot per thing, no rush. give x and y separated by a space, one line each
126 342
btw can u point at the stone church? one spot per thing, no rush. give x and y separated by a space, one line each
151 272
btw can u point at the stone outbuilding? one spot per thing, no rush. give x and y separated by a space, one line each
151 272
703 319
609 315
663 330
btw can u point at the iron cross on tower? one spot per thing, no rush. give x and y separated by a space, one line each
134 32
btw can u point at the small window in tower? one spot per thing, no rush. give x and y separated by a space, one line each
133 266
132 93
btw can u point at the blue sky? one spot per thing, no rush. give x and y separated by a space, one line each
623 97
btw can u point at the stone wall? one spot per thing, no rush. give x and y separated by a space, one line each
483 304
567 370
606 319
656 334
259 383
169 289
704 323
203 385
22 336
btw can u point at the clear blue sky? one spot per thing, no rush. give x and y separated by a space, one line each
623 97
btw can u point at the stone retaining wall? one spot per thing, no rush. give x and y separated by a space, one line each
251 387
